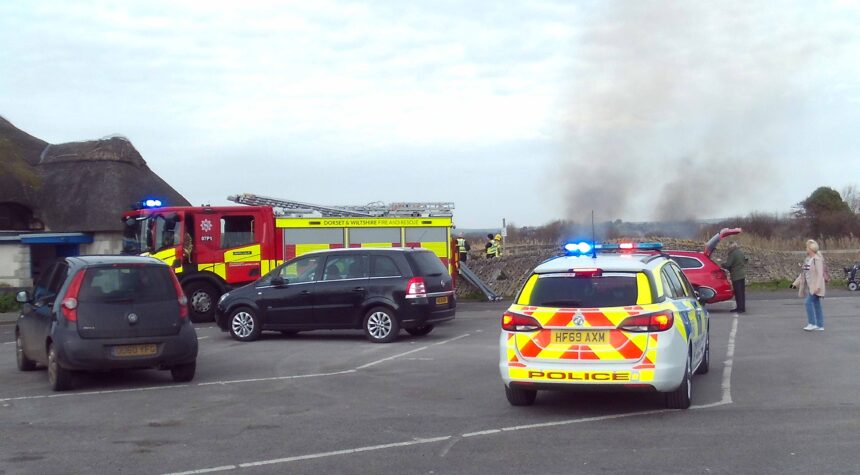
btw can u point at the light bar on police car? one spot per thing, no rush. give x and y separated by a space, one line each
629 246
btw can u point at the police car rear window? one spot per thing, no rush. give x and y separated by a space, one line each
564 290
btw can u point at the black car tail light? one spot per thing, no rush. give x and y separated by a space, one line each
70 300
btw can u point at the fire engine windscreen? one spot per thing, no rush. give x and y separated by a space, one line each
568 291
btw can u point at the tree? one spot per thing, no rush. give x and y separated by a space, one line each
851 195
826 213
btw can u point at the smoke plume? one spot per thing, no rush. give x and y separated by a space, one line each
678 109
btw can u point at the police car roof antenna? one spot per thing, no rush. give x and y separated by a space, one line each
593 238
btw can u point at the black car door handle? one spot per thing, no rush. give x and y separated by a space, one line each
358 289
306 292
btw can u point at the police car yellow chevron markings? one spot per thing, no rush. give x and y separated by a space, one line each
621 345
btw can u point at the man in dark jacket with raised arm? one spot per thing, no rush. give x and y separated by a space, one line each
736 264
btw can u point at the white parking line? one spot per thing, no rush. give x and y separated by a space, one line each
237 381
726 385
726 399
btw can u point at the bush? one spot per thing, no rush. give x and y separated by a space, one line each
8 303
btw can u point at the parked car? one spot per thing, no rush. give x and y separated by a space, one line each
702 271
851 277
378 290
95 313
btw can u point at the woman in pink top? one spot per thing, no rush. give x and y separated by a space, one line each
810 285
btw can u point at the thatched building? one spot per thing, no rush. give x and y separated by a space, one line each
66 199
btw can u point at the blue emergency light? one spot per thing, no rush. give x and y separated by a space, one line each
582 248
151 203
578 248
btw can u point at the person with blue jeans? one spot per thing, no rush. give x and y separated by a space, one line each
811 286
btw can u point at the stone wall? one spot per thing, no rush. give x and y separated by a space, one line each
505 275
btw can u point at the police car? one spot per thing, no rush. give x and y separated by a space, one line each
605 316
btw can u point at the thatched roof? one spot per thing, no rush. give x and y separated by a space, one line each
76 186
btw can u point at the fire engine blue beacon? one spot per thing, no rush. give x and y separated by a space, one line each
152 203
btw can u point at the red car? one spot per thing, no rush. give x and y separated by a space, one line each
702 271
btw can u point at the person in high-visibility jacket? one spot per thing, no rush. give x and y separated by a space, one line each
463 247
494 246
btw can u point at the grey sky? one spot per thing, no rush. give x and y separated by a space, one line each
493 105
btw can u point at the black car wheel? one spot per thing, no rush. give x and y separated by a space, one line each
852 286
24 363
184 372
520 397
60 379
681 397
202 297
381 325
420 331
244 324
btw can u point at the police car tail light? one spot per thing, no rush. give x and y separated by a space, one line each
416 288
70 300
514 322
180 297
653 322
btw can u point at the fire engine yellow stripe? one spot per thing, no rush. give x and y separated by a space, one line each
644 289
376 244
438 248
526 294
362 222
243 254
306 248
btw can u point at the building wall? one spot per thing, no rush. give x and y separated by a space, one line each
15 265
103 243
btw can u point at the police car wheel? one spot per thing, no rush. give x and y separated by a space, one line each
520 397
681 397
705 365
381 325
420 331
852 286
244 324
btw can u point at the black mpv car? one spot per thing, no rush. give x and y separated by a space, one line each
378 290
94 313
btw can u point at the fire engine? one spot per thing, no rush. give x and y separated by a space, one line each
215 248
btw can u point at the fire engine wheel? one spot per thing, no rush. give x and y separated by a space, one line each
381 325
201 301
420 331
519 396
244 324
681 397
852 286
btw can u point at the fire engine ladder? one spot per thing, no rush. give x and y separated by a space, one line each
369 210
295 206
477 282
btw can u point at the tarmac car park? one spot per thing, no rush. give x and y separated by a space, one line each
776 400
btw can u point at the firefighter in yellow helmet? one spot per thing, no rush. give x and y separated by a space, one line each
493 246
